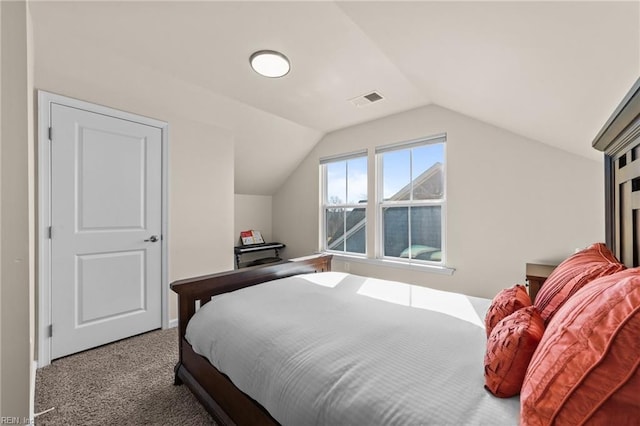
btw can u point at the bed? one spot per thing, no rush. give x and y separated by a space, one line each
248 363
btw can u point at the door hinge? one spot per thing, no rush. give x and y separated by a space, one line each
50 330
50 232
50 133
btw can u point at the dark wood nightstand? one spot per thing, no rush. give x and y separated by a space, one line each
536 275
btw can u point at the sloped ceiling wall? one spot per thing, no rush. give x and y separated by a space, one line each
550 71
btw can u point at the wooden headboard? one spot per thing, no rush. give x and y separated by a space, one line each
619 139
194 292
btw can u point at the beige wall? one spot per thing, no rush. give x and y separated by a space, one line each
16 218
201 202
253 212
511 200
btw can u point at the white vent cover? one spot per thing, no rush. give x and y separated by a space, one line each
367 99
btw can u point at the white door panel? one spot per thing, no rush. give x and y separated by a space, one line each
106 176
98 153
110 285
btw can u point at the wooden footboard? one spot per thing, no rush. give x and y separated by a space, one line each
226 403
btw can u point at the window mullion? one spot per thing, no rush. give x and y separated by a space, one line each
344 209
410 202
414 203
344 229
411 175
346 182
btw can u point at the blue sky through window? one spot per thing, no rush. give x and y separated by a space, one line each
351 175
396 168
347 180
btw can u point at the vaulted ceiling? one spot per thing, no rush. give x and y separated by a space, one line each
549 71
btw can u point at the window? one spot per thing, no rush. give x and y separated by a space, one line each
408 212
411 201
344 203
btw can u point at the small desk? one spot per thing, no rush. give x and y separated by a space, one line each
253 248
536 275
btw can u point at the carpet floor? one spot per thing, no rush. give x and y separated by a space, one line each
129 382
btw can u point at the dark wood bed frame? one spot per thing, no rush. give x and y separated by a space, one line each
226 403
619 140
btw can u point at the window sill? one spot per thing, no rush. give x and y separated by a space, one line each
435 269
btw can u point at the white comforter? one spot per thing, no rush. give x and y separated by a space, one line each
339 349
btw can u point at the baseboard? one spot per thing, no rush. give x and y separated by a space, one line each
32 392
173 323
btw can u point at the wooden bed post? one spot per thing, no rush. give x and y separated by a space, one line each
619 139
185 310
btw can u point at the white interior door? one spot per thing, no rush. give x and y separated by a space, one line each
106 216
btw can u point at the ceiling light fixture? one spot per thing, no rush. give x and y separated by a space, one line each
270 63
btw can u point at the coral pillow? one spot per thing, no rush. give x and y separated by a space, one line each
571 275
585 369
509 350
504 304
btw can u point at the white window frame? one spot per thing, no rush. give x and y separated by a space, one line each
324 205
381 203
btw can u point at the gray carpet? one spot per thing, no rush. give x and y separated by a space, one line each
129 382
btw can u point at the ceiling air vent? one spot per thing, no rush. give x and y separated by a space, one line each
367 99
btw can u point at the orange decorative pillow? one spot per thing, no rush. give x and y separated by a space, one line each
504 304
571 275
509 350
585 369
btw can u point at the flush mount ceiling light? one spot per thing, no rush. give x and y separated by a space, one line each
270 63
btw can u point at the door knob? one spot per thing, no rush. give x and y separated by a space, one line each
152 239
